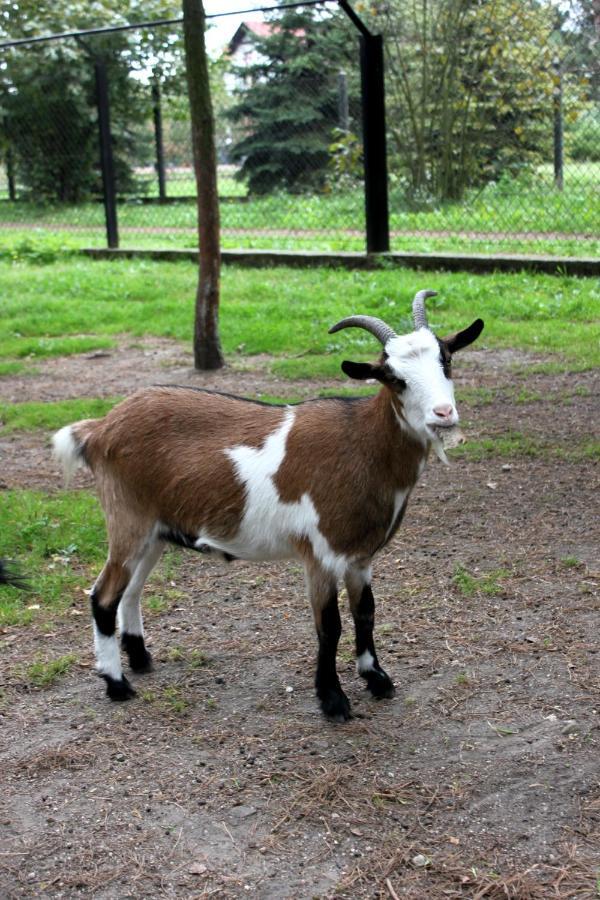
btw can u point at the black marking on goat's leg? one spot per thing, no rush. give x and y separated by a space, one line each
334 702
378 682
118 689
140 660
107 650
105 617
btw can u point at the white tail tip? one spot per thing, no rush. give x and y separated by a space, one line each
67 451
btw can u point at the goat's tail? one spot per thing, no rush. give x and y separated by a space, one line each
10 575
69 445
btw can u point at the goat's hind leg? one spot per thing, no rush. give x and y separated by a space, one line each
129 613
106 596
362 605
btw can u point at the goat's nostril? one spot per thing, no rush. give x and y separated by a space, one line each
444 411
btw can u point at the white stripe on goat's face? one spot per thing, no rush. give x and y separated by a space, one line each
428 398
268 525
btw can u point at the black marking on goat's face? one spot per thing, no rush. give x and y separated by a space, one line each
381 371
445 358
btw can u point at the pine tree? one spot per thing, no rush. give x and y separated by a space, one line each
289 109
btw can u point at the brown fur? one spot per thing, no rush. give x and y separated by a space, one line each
158 455
335 450
161 450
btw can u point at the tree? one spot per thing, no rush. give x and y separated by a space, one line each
469 88
207 346
288 106
47 93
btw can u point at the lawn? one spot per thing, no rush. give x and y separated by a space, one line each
221 778
77 305
511 216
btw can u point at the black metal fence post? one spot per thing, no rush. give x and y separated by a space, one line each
106 156
10 175
558 125
158 141
374 143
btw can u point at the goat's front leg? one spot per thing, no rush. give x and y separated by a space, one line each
362 605
322 590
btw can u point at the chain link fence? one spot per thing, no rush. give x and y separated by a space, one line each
493 133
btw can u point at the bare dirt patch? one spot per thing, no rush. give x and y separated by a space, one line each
479 779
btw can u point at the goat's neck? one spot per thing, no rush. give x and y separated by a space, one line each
392 444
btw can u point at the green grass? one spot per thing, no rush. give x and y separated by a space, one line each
526 215
31 416
42 673
490 583
79 305
517 444
59 541
40 531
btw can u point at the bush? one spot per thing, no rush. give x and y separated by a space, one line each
582 139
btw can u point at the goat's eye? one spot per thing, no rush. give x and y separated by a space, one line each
446 364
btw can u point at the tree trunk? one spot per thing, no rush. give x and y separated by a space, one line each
207 346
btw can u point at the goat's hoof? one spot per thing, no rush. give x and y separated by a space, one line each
120 689
335 706
379 683
140 660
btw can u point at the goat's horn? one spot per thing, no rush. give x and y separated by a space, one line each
377 328
419 312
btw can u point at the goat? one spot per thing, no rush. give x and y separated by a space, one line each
325 481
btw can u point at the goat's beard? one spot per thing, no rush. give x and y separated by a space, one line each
446 439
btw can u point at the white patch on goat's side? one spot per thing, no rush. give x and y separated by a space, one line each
365 662
268 525
415 358
399 500
108 657
66 451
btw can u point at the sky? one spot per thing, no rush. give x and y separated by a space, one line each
223 29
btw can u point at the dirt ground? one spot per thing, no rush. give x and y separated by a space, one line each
221 779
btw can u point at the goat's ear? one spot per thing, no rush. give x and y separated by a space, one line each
361 371
455 342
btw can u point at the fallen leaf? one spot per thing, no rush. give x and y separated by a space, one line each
197 868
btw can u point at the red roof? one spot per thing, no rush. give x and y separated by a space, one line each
260 29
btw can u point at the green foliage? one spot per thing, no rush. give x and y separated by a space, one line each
289 102
345 167
47 94
38 247
582 138
469 90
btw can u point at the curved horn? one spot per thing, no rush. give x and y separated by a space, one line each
377 327
419 312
